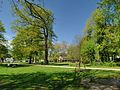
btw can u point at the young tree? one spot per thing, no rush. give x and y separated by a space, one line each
73 50
87 51
73 53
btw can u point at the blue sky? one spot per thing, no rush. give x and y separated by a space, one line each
70 17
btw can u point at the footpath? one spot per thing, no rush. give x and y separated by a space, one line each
114 69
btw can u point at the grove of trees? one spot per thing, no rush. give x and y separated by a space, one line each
34 32
101 38
35 35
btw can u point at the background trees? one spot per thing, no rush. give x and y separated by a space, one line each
34 33
58 50
102 36
27 43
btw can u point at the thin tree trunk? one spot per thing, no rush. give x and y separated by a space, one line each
34 59
30 59
2 59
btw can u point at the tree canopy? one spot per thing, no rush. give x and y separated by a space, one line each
102 28
38 18
3 48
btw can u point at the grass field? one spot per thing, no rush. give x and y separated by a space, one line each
94 65
36 77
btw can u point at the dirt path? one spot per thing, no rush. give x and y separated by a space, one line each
114 69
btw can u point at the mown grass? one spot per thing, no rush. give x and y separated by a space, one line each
20 69
36 77
94 65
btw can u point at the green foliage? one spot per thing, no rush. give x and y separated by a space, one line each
3 48
27 42
103 29
2 30
3 51
34 27
110 64
87 51
57 50
73 52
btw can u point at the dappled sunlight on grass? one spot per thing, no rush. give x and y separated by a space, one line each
37 77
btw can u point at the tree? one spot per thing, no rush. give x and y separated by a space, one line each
27 43
2 30
3 48
87 51
59 49
41 18
73 50
111 13
103 29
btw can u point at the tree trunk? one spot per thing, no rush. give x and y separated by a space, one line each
46 50
30 59
2 59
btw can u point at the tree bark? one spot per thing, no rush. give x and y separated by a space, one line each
46 50
2 59
30 59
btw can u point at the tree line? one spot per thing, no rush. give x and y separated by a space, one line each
101 39
35 35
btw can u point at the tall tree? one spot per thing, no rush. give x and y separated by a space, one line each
73 50
103 29
111 13
41 18
3 48
27 43
2 30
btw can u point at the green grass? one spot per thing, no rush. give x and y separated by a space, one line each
105 65
94 65
64 64
36 77
30 69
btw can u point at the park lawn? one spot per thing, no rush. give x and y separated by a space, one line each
100 65
36 77
26 68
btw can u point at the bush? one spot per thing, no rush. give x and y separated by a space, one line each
110 64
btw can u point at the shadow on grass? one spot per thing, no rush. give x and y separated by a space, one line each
59 64
16 65
40 81
51 81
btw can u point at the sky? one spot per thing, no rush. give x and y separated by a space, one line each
70 17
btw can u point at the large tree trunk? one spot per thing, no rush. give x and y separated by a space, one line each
30 59
46 50
2 59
